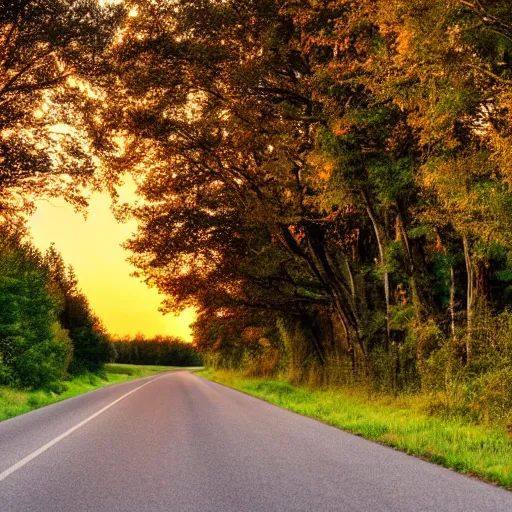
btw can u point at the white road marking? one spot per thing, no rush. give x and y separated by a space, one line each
53 442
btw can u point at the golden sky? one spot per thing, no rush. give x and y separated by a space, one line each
92 246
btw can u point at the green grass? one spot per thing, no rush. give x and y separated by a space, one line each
398 422
14 402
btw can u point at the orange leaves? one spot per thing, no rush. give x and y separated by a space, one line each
325 172
323 168
403 43
297 233
340 127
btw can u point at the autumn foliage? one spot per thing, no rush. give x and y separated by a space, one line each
327 182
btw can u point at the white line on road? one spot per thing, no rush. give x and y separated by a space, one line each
53 442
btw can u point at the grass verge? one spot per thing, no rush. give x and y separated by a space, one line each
14 402
400 423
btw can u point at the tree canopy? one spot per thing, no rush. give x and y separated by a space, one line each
54 78
338 169
327 182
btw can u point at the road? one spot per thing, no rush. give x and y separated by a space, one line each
179 443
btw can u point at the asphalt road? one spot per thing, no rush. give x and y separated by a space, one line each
179 443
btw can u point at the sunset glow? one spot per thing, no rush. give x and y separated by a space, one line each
92 247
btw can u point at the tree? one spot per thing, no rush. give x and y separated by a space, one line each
34 350
88 336
54 76
337 167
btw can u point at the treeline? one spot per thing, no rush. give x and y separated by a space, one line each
160 350
47 328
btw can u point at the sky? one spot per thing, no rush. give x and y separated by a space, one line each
92 247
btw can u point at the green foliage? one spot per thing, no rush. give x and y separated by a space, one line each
444 370
46 325
90 342
34 351
297 351
491 396
42 364
393 180
91 350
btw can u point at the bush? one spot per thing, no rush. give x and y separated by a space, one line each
43 363
6 373
56 387
91 351
492 396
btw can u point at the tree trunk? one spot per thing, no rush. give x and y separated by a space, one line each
482 280
316 259
412 271
390 349
383 263
452 302
470 296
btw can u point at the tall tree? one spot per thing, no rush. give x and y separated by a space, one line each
87 334
327 163
34 350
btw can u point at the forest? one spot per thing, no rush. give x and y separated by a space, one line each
328 183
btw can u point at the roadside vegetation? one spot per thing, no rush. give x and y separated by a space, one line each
339 209
48 330
15 401
407 423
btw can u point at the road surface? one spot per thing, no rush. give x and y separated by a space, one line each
179 443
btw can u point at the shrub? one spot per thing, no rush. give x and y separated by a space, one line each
43 363
56 387
492 395
90 350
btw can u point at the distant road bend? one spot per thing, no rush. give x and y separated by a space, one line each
179 443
